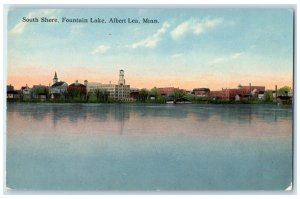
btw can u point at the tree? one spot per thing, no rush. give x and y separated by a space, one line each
143 95
154 92
284 91
178 94
268 96
102 95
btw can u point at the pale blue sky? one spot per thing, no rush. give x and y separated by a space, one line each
189 47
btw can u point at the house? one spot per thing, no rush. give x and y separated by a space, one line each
134 93
261 95
58 88
241 93
12 95
10 88
166 90
202 92
77 89
25 92
285 99
39 92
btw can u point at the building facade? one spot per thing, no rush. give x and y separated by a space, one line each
77 88
241 93
25 92
58 88
166 90
120 91
202 92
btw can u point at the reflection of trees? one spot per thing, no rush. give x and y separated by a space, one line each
173 111
247 113
122 112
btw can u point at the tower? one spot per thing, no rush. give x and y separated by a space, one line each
85 82
121 78
55 79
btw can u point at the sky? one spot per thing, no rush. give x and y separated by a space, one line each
189 48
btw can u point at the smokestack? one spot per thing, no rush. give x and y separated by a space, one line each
276 91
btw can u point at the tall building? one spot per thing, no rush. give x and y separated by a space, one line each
118 91
121 78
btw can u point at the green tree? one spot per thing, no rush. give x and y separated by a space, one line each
178 94
143 95
268 96
154 92
284 91
102 95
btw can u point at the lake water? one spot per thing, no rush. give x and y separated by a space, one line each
148 147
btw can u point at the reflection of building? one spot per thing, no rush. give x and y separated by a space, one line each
118 91
58 88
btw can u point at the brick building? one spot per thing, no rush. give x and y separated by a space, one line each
241 93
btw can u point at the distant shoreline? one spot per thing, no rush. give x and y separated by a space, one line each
149 103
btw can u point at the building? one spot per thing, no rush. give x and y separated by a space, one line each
134 93
25 92
77 88
94 87
167 90
10 88
12 95
120 91
202 92
240 94
261 95
58 88
39 92
223 94
250 90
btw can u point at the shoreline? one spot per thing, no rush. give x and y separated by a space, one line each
153 103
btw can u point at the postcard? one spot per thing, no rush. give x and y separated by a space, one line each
149 99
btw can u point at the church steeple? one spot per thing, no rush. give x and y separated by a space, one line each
55 79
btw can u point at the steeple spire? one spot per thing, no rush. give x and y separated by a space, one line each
55 79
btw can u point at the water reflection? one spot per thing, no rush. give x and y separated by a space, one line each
120 112
148 147
130 118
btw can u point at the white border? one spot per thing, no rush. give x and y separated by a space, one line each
147 3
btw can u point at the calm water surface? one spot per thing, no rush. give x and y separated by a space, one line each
148 147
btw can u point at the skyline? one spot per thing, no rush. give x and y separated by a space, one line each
188 48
